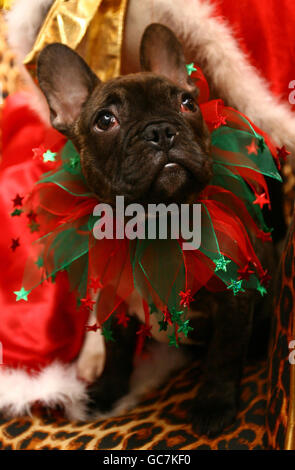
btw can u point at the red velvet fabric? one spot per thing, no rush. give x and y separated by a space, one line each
265 30
46 328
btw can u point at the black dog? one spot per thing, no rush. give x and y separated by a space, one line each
143 136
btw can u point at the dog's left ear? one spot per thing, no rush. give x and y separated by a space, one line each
67 82
162 53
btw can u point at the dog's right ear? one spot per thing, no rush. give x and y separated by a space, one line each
67 82
162 53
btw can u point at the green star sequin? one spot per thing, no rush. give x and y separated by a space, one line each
190 68
262 290
39 262
49 156
21 294
107 333
173 340
176 315
34 227
73 165
163 325
221 264
185 328
74 161
236 287
16 212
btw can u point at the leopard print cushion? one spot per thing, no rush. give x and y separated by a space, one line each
158 423
279 396
10 78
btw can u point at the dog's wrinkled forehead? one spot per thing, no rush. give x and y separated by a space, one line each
137 96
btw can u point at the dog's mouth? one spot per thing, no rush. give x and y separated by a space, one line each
181 177
173 173
173 183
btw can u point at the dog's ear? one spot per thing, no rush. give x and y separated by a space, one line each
66 81
162 53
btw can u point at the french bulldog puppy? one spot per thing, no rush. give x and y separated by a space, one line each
143 136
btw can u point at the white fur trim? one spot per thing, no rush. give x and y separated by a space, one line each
56 384
24 21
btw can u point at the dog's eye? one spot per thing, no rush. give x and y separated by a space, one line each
105 121
188 104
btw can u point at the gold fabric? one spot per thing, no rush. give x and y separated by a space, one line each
6 4
94 28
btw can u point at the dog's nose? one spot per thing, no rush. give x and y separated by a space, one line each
160 135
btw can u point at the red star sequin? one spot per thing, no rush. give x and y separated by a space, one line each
264 277
87 303
144 331
264 236
186 298
167 316
220 121
17 201
15 243
252 148
95 284
261 200
122 319
38 152
93 327
245 273
32 216
282 153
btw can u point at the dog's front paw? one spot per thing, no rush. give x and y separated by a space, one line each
90 367
92 357
214 409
